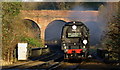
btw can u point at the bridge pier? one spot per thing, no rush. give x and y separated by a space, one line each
43 17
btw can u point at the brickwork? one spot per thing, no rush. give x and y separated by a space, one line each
44 17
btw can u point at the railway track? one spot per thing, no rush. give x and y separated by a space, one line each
42 61
47 65
53 63
90 64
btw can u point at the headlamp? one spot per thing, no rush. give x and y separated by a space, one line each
74 27
83 46
85 42
63 44
65 47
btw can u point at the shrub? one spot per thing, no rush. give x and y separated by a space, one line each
32 41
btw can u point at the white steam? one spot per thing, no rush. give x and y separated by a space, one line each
90 19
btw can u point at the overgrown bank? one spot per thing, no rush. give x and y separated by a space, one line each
14 30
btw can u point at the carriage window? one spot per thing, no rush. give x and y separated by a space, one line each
74 34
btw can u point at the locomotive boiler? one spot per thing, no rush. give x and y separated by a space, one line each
75 40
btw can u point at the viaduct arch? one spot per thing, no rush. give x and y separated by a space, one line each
44 17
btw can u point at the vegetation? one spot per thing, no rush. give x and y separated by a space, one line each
59 5
114 38
33 42
10 37
112 35
16 30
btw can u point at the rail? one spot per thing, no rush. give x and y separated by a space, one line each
37 63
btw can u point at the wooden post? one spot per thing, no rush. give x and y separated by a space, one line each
12 56
8 56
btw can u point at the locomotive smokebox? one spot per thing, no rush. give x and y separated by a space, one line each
75 39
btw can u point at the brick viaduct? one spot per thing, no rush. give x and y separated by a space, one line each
43 17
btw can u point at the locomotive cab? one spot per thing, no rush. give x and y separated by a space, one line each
75 40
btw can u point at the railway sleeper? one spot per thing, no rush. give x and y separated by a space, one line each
53 65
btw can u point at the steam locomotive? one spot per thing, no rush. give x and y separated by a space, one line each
75 40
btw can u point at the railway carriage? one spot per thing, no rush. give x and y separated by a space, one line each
75 40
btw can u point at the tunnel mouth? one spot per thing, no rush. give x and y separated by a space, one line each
53 33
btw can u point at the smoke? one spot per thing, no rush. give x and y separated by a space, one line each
96 21
106 15
83 14
90 18
95 32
